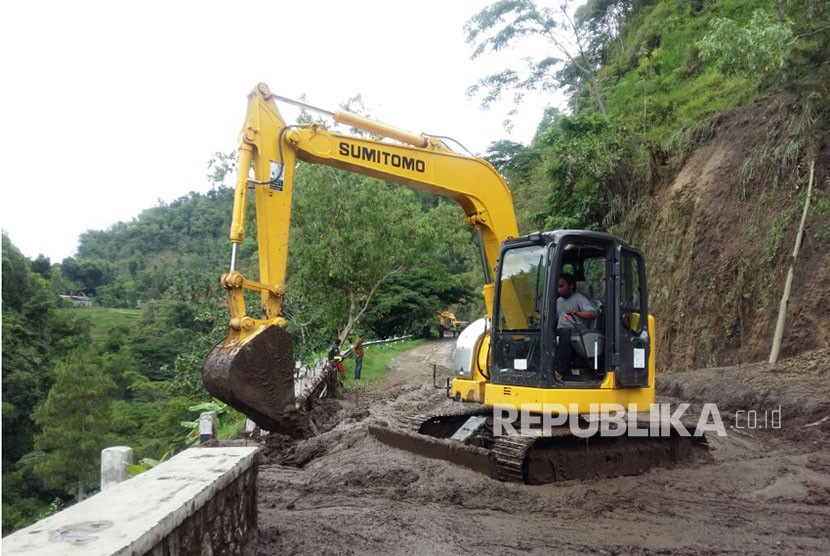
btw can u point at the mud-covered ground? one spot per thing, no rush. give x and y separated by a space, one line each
766 490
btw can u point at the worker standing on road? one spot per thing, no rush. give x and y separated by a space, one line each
357 348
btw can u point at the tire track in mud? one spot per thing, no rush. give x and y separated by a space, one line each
346 493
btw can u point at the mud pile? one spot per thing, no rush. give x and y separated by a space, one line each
343 492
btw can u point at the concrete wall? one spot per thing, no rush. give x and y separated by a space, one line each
202 501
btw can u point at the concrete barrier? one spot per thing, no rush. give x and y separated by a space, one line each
208 426
202 501
114 462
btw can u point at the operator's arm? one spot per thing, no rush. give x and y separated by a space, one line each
586 315
584 310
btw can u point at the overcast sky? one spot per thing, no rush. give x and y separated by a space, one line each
109 107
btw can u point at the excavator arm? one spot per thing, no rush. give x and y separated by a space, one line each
252 368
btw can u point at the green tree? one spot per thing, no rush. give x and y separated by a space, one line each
43 266
221 166
521 168
411 300
759 47
34 333
602 21
592 168
350 235
88 273
74 422
506 22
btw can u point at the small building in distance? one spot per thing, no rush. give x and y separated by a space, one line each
76 300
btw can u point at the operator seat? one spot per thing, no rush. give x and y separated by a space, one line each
586 289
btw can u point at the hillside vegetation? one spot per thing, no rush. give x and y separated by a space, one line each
691 130
712 114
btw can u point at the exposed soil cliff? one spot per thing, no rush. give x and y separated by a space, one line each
722 237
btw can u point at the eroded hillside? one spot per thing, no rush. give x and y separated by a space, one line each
724 228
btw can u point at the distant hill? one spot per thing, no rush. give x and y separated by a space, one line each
183 242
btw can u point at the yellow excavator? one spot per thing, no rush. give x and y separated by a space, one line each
505 359
447 321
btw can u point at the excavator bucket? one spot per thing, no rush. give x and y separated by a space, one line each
256 377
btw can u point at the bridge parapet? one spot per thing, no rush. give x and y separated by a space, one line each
202 501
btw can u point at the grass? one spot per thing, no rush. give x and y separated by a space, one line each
231 425
820 210
375 360
778 229
661 62
104 319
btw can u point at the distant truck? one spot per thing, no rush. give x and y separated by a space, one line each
447 321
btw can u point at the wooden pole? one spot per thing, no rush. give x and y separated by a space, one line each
785 297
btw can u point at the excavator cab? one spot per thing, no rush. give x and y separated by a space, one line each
507 363
609 273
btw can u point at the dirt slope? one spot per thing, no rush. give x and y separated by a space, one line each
767 491
721 233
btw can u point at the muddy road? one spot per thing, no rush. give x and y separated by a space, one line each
766 490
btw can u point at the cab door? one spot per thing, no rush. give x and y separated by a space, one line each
632 351
519 316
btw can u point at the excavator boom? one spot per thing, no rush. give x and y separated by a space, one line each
252 369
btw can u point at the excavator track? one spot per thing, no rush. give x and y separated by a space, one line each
405 433
509 455
560 456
